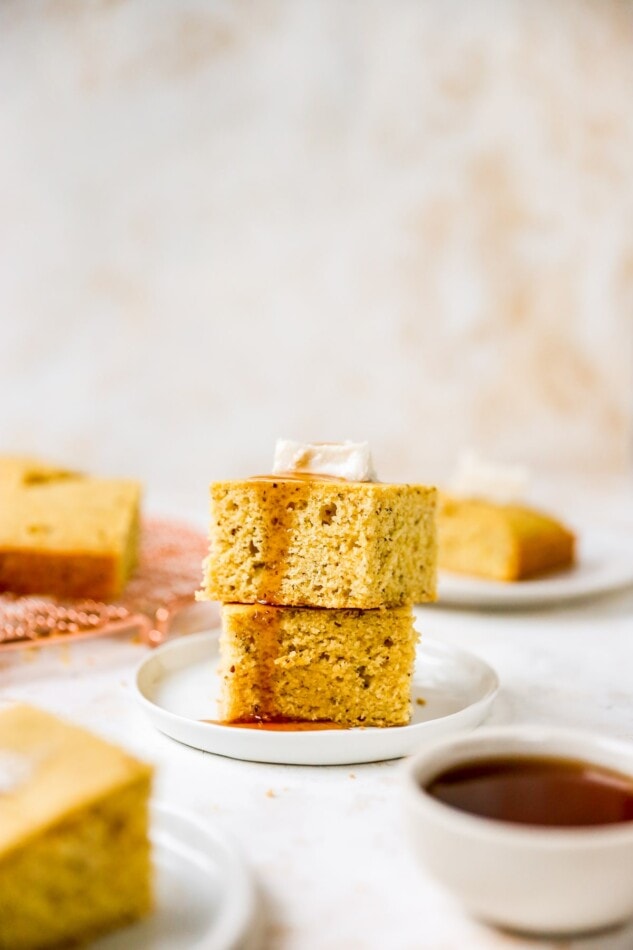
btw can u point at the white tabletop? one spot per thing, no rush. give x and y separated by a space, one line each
329 845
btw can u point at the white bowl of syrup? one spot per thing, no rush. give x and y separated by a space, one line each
530 828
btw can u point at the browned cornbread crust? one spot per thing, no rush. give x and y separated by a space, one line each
65 534
352 667
501 542
321 542
59 574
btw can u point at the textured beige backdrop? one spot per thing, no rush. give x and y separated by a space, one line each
404 221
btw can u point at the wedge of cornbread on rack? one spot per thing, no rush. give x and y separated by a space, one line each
65 533
347 666
298 540
74 850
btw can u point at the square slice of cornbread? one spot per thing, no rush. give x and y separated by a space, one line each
74 848
500 542
64 533
351 667
321 542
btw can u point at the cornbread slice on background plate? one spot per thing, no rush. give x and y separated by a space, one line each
74 847
347 666
66 534
323 542
504 542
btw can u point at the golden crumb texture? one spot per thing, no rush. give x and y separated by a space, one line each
64 533
321 543
500 542
75 856
348 666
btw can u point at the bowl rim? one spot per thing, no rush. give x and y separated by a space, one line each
434 758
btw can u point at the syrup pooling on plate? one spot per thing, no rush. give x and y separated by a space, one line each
279 724
533 790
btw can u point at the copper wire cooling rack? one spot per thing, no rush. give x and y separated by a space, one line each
157 598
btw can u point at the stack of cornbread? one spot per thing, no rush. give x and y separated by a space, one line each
317 567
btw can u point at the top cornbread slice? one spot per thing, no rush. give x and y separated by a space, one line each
321 542
64 533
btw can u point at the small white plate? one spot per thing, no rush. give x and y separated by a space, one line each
605 565
178 687
205 896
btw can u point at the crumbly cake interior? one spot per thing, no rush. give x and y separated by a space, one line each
348 666
74 847
322 543
85 876
501 542
64 533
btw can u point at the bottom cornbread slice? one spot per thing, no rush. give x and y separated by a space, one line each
347 666
74 848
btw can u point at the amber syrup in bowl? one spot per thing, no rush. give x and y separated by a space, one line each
530 828
536 790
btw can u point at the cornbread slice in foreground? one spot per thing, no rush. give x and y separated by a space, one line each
501 542
351 667
65 534
321 542
74 851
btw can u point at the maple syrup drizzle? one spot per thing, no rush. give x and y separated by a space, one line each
279 512
297 477
280 506
266 630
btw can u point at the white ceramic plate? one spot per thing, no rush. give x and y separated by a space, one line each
177 686
605 565
205 897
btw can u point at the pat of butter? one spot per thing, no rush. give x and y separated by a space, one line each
348 460
477 478
15 770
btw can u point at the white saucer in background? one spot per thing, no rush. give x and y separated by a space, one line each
605 565
177 686
205 896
